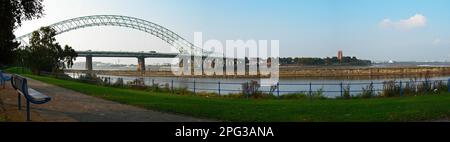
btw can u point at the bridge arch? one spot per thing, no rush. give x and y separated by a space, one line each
170 37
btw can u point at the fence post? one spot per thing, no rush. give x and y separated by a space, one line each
448 85
219 88
194 89
342 89
401 88
371 89
173 91
310 89
278 89
246 90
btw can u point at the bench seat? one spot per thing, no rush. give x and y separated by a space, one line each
37 95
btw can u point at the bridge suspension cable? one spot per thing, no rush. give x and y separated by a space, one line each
170 37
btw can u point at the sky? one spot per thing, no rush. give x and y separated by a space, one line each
378 30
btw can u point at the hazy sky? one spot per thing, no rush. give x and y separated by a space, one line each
402 30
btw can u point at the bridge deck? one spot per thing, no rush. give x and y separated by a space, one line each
125 54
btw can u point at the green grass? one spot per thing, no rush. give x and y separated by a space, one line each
18 70
412 108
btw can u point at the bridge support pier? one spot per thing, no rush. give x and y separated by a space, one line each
89 64
141 64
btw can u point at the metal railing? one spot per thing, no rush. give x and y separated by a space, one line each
221 88
429 85
338 89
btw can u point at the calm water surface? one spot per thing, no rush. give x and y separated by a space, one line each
330 86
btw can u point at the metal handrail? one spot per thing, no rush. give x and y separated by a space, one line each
219 87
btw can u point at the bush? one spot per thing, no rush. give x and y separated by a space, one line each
119 83
390 89
294 96
347 94
137 83
185 91
155 88
410 88
439 86
251 89
319 94
234 96
260 95
90 78
367 92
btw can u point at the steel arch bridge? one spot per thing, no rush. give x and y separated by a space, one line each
170 37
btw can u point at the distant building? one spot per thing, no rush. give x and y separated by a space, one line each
340 56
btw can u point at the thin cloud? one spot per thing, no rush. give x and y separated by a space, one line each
440 42
416 21
437 41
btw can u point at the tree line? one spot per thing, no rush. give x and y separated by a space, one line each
333 61
43 52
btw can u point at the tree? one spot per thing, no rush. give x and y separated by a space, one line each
12 13
45 54
328 61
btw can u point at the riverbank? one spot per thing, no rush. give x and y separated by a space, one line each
308 72
411 108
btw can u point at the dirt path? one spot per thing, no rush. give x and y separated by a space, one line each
71 106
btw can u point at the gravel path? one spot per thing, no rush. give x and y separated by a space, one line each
71 106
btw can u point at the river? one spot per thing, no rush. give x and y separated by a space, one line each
331 87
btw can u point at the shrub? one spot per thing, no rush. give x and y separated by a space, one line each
410 88
294 96
251 89
90 78
367 92
119 83
236 95
185 91
347 94
390 89
319 94
137 83
260 95
155 88
423 87
439 86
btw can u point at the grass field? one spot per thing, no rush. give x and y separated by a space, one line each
419 108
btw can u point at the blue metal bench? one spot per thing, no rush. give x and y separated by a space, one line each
32 96
3 79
